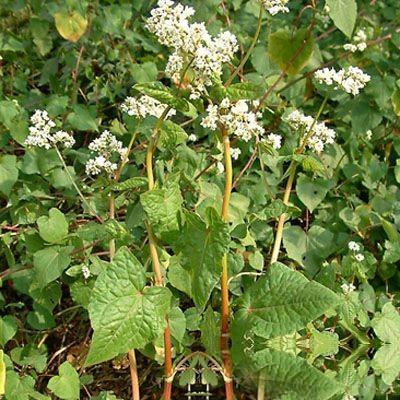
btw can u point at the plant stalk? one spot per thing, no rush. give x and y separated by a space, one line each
159 281
131 353
225 311
89 207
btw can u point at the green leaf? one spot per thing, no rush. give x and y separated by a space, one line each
162 207
311 192
54 228
145 72
50 263
343 14
396 102
2 374
323 344
289 51
282 302
130 184
210 332
244 90
386 361
163 94
8 329
171 135
66 384
287 375
8 173
392 252
125 314
21 388
70 26
82 119
201 246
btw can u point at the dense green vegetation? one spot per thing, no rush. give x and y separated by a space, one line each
188 210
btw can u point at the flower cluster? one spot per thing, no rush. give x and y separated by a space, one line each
275 6
348 288
356 248
86 272
317 133
235 117
40 132
143 106
273 140
192 45
107 148
359 42
351 80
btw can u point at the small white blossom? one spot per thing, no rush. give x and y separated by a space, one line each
317 133
192 138
359 257
348 288
220 167
192 43
368 134
86 272
40 134
143 106
351 80
236 118
359 42
108 148
64 138
354 246
235 153
275 6
274 140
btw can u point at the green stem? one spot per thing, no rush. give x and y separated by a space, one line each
77 188
249 51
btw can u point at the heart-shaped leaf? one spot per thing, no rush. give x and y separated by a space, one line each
70 26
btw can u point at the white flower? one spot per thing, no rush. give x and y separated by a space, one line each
86 272
275 6
235 153
220 167
348 288
98 164
317 133
191 43
359 257
368 134
359 42
351 80
143 106
108 148
192 137
236 118
40 132
64 138
354 246
274 140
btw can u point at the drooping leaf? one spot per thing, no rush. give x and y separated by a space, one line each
210 332
290 51
124 312
343 14
201 245
66 384
53 228
70 26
